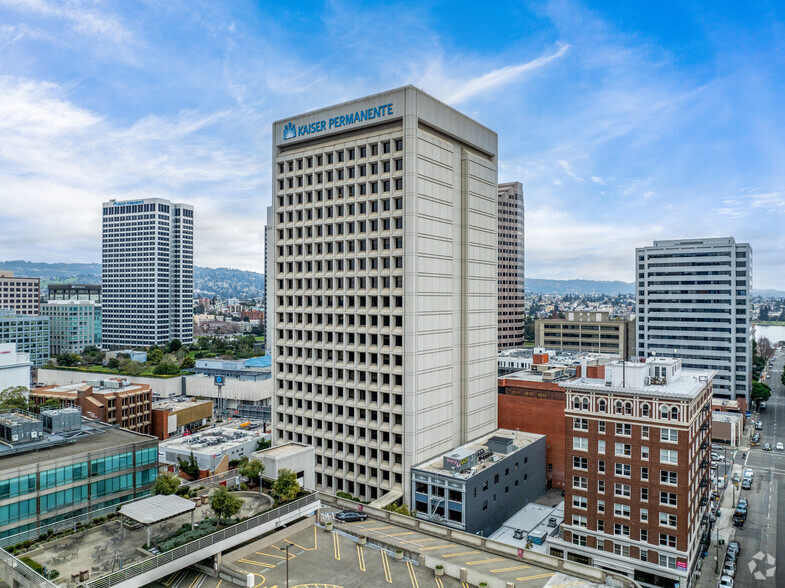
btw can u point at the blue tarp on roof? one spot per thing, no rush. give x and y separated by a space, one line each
259 362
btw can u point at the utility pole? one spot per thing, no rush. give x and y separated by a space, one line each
287 565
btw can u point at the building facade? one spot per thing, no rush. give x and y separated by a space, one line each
637 445
476 487
147 279
382 301
22 295
587 331
693 301
74 292
14 367
512 314
75 468
73 325
30 333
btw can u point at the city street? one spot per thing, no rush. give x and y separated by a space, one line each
764 531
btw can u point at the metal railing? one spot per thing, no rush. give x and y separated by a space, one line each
9 564
212 481
151 563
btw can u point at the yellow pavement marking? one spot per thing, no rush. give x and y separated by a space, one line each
196 579
368 522
566 584
173 577
437 546
535 577
425 540
465 585
260 583
361 557
459 553
412 575
386 566
219 583
379 528
315 544
511 569
481 561
401 534
256 563
336 547
439 582
291 555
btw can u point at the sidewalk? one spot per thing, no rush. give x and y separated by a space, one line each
723 526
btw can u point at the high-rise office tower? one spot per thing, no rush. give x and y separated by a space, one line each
22 295
694 303
512 315
147 276
382 287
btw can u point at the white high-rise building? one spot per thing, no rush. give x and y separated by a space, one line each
147 276
694 303
382 286
512 313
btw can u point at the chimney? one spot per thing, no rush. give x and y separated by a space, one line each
584 370
539 358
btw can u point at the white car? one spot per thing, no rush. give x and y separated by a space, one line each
780 446
717 457
729 569
725 582
748 473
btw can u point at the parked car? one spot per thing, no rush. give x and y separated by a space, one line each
717 447
350 516
734 547
762 405
779 446
746 484
767 447
742 503
729 569
748 473
759 426
717 456
756 439
725 582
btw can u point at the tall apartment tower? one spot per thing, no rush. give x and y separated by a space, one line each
694 303
147 277
637 492
383 301
511 310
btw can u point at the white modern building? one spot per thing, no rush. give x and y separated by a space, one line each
147 277
512 314
14 367
694 303
73 325
382 290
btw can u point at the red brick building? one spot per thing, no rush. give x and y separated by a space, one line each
637 447
252 315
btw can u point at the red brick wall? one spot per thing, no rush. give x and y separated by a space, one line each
537 407
160 422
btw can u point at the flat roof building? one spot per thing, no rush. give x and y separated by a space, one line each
74 292
588 331
479 485
14 367
30 333
382 296
73 325
213 448
176 416
22 295
61 465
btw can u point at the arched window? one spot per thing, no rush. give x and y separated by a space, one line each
619 407
675 414
644 409
576 403
602 406
628 408
664 412
585 404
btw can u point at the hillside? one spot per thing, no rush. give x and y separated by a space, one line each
540 286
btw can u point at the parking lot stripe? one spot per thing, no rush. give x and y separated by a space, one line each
256 563
401 534
379 528
535 577
465 585
424 540
386 566
439 582
262 583
315 544
336 547
438 546
196 580
173 577
459 553
482 561
361 557
291 555
412 575
510 569
219 583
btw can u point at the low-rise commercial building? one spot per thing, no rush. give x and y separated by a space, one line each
115 401
73 325
30 333
299 458
59 465
176 416
479 485
14 367
22 295
213 448
587 331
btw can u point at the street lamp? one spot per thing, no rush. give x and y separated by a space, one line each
287 564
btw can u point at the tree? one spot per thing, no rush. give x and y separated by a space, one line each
173 346
113 363
760 391
266 444
188 363
15 397
92 355
166 484
190 467
68 359
286 487
51 404
399 508
251 470
155 354
224 503
765 348
166 368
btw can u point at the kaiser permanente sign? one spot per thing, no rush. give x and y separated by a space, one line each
290 131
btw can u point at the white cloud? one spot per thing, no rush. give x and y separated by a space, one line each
598 180
568 169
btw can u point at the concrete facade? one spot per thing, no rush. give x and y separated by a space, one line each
587 331
694 303
478 486
299 458
14 367
512 313
22 295
382 299
147 278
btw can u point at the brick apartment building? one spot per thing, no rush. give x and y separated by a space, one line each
527 402
114 401
638 465
252 315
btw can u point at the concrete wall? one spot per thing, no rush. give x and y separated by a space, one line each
160 387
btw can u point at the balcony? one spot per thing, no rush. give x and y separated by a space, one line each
704 464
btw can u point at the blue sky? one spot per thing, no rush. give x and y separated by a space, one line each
626 122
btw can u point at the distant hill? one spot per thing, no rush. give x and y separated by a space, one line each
768 293
540 286
221 282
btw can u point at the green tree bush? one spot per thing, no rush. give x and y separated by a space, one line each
166 484
224 503
286 487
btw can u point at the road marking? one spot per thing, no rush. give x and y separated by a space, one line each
256 563
197 581
379 528
219 583
361 557
173 577
336 547
260 584
402 534
437 546
412 575
510 569
291 555
482 561
425 540
465 585
459 553
315 544
535 577
439 582
386 566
